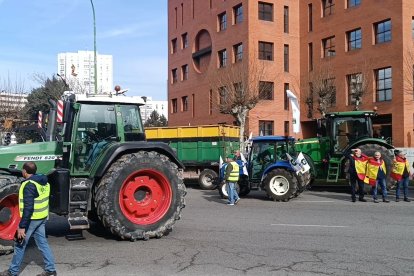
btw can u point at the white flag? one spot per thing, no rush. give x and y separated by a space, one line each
243 159
302 163
294 164
295 111
221 162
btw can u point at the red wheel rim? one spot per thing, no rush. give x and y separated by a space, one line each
9 226
145 197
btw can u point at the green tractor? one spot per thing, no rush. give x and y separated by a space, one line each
338 133
100 167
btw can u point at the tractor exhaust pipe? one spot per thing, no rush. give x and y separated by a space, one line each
51 125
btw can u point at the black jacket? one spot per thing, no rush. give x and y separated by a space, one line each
29 195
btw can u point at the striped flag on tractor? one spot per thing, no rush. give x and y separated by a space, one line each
59 117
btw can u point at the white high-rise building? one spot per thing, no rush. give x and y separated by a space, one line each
160 106
78 71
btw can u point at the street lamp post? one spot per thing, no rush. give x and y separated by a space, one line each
94 50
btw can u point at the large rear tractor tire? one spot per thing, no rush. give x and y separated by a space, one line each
9 211
141 196
387 156
207 179
223 190
281 184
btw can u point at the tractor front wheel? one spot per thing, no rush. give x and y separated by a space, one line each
280 185
141 196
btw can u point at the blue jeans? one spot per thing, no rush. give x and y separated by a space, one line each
232 193
37 230
404 183
381 182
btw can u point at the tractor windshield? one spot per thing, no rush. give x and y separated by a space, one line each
347 130
132 122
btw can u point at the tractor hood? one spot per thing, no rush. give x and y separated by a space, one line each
43 154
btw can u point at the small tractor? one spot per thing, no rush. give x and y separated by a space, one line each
100 167
338 133
269 168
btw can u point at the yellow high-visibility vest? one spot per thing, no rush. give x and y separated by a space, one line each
234 174
41 203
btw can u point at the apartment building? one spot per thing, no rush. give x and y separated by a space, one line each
348 43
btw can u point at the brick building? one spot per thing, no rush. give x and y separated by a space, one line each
362 42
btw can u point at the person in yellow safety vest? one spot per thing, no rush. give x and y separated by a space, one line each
401 173
357 170
232 177
34 210
376 174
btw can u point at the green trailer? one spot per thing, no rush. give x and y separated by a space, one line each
199 148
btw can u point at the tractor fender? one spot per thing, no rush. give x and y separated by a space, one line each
120 149
364 141
283 165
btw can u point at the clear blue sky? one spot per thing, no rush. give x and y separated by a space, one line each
134 32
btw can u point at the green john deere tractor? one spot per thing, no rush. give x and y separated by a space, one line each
99 166
338 133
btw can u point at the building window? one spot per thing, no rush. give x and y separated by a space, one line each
184 103
222 55
328 7
222 95
412 27
265 50
266 90
174 75
265 11
174 46
353 3
266 127
184 39
382 31
330 89
238 52
328 45
286 127
286 19
355 87
285 97
310 56
383 79
354 39
222 20
184 72
238 14
310 19
174 107
286 57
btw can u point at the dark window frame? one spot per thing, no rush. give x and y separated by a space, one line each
222 93
310 18
174 106
266 127
286 57
238 13
328 7
381 84
222 21
184 103
353 3
266 50
184 40
184 72
328 47
383 31
266 90
354 39
222 56
173 45
238 52
286 19
265 11
174 76
310 56
285 97
350 79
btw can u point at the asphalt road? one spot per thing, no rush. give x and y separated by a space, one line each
319 233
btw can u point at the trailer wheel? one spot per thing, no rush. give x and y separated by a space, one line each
141 196
280 185
9 211
206 179
223 190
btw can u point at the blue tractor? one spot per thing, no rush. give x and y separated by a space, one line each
269 169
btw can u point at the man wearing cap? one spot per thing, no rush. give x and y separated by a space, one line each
231 177
401 173
357 170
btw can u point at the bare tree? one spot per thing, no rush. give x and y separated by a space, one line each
240 87
322 82
12 100
409 72
358 83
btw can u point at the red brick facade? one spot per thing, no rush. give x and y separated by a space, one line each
198 23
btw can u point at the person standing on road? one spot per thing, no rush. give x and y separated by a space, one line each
34 210
401 173
231 177
376 174
357 171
